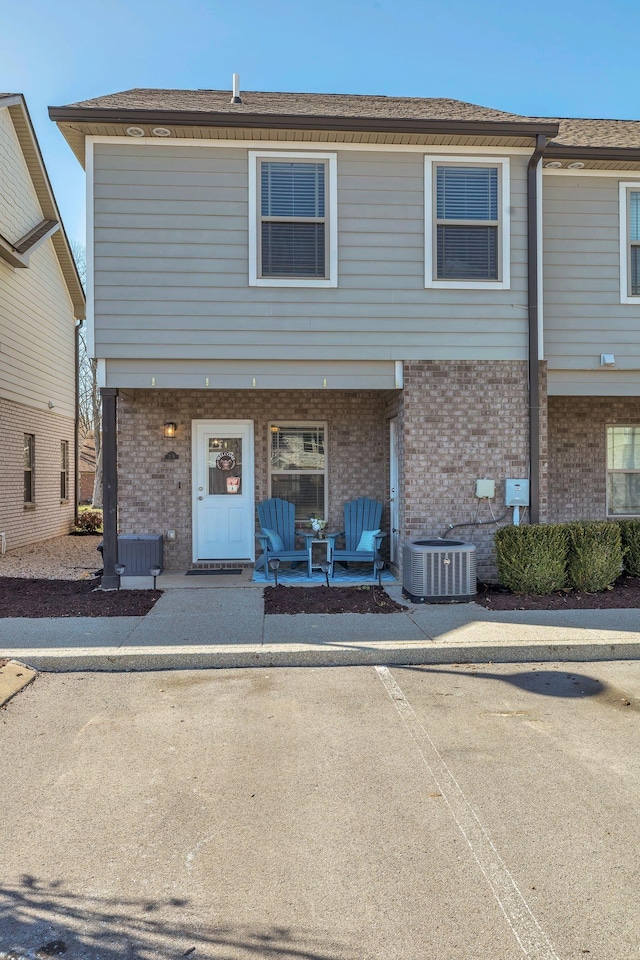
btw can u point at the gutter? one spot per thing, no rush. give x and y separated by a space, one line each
201 118
534 334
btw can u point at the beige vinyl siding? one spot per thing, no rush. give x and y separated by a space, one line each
171 266
583 316
36 313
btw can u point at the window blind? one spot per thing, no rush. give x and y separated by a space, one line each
293 238
469 253
467 193
465 251
634 237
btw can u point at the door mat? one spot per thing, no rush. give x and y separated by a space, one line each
234 571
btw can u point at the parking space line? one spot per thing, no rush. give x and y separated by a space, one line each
524 925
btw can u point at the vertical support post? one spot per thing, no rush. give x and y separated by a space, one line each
109 488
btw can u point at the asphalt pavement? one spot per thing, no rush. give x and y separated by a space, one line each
366 813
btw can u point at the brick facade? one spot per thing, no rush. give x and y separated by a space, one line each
457 421
578 453
463 420
48 516
155 495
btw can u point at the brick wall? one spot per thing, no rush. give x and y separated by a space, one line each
578 453
155 495
463 420
49 517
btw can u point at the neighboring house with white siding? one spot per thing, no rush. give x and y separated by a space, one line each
41 298
358 296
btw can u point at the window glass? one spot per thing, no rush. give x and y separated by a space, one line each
224 466
292 189
29 467
293 228
623 478
467 250
64 469
634 216
298 467
467 193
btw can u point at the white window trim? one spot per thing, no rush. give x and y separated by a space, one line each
331 210
609 426
303 423
624 188
504 227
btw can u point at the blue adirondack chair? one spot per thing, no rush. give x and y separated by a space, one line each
280 516
359 515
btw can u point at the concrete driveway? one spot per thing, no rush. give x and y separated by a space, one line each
323 814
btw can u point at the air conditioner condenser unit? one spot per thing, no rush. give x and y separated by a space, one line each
439 571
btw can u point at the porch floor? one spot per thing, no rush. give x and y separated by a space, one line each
178 579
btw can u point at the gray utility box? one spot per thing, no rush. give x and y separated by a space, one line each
139 552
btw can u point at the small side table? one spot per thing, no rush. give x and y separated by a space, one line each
310 539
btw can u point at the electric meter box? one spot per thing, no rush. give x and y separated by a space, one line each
516 493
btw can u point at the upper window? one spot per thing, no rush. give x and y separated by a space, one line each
292 220
623 471
467 225
299 467
629 242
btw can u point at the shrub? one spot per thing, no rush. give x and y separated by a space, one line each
630 536
595 554
89 521
532 558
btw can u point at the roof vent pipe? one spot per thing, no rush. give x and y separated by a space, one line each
236 89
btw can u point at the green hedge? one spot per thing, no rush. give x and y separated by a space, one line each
630 534
584 554
594 560
532 558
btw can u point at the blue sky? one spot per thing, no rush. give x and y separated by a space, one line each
548 58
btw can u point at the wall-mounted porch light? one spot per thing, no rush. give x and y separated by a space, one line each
170 430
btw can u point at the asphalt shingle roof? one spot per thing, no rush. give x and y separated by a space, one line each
573 132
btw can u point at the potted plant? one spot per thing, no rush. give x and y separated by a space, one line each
318 525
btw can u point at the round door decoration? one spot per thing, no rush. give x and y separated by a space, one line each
226 461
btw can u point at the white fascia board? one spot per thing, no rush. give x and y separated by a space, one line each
505 225
90 318
313 146
332 159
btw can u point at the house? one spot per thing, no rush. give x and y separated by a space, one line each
352 296
41 298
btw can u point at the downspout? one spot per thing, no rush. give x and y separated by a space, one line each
76 452
534 335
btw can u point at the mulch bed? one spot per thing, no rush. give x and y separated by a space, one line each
329 600
71 598
624 595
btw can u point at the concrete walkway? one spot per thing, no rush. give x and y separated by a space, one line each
225 626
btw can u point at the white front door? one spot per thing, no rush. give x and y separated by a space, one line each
393 490
223 497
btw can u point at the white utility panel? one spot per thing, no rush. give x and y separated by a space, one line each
485 488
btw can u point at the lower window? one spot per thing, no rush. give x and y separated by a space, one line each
299 466
623 471
64 469
29 467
